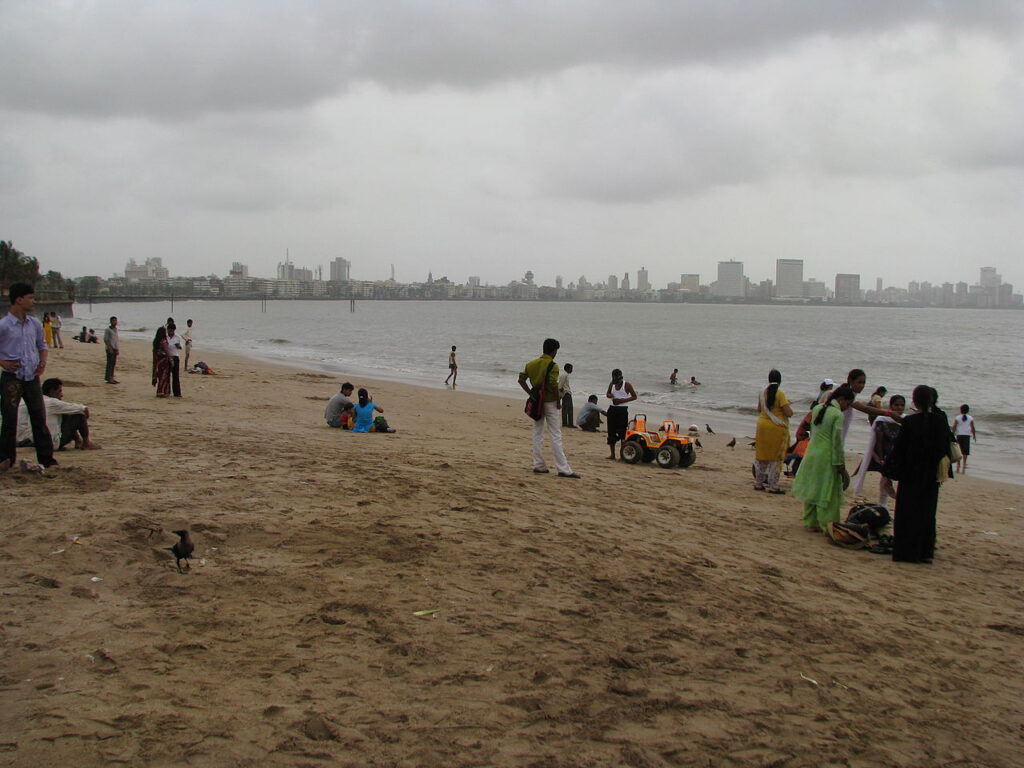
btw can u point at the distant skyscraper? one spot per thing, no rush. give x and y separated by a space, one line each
238 269
878 285
990 278
730 282
528 277
847 289
613 282
789 278
340 269
690 283
642 283
153 269
558 282
474 281
625 282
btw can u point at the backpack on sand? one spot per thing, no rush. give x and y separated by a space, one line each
874 516
849 535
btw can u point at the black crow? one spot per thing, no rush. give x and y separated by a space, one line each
183 549
709 429
731 443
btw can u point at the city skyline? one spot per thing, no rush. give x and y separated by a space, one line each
490 138
339 269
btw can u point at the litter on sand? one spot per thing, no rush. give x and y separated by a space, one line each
94 579
809 680
428 612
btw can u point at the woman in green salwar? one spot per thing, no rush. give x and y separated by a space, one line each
822 476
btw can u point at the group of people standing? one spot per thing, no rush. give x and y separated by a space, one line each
905 449
52 325
167 351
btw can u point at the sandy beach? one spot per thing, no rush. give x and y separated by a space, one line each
638 616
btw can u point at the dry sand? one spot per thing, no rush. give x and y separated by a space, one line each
638 616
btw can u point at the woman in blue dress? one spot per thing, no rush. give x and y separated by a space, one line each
364 411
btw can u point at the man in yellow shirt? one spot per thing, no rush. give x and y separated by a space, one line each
533 373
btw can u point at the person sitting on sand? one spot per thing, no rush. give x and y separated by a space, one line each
93 338
590 415
339 413
67 422
364 411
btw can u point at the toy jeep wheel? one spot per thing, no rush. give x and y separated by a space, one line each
687 457
632 451
667 457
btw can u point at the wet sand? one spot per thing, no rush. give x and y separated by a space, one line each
637 616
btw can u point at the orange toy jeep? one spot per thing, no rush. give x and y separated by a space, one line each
667 447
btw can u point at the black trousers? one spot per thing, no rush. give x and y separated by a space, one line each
12 391
73 425
111 362
567 410
175 375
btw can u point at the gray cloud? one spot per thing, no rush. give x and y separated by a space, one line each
177 60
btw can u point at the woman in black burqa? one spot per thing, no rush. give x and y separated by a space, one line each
923 440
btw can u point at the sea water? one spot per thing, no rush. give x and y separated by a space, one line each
969 356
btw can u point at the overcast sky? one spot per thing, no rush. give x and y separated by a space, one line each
488 138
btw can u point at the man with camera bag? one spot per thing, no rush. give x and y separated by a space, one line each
542 375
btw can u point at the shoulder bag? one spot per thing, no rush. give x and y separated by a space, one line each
535 402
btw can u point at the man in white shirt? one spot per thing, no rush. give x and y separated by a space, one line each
67 422
175 344
187 337
565 392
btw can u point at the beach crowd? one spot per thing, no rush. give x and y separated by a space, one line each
913 453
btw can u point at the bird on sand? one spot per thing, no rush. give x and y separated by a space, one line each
709 429
183 549
731 443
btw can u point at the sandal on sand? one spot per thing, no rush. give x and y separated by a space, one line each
759 487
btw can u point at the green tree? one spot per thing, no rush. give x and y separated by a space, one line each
15 266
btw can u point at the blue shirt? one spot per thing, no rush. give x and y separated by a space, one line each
364 417
22 341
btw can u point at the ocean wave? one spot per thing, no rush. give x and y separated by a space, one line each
1003 419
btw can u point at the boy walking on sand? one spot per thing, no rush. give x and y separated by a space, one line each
453 368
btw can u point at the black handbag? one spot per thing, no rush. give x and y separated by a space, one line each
535 402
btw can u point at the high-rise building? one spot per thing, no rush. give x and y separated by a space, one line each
789 278
690 283
238 269
613 282
990 278
340 269
731 282
152 269
642 283
847 289
473 281
625 282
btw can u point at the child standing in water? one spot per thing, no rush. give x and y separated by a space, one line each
963 429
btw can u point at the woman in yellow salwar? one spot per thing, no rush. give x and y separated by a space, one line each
822 476
772 434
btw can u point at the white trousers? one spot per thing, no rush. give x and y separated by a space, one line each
553 419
